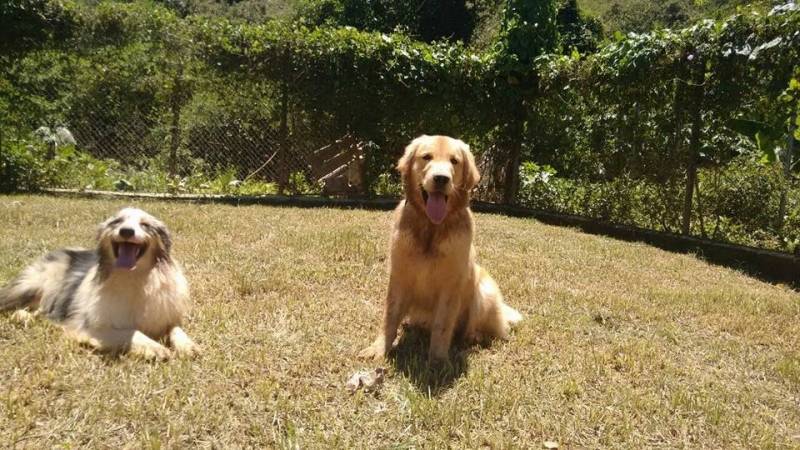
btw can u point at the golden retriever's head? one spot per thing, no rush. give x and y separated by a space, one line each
438 174
133 239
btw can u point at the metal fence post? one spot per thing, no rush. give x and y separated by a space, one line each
175 107
283 135
698 92
788 162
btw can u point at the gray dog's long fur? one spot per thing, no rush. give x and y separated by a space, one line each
77 264
107 304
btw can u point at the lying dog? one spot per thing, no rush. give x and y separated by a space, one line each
434 281
125 295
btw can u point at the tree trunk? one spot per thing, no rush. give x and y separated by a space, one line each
698 92
513 142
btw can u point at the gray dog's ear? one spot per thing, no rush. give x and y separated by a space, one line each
99 231
164 237
104 225
471 174
166 241
406 162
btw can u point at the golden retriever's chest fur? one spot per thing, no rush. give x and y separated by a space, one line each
432 262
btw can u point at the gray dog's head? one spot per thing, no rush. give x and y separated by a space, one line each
133 240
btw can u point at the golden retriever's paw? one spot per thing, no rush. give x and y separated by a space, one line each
156 352
437 359
187 349
439 365
476 338
374 352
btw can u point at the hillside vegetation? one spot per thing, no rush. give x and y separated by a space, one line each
645 15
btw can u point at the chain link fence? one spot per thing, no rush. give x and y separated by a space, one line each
139 117
193 141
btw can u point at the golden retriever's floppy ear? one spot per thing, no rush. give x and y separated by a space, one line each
407 160
471 174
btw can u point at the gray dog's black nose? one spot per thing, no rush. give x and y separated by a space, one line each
126 232
441 180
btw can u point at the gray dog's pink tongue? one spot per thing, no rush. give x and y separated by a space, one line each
436 207
126 258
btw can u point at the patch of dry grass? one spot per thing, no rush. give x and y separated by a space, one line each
623 344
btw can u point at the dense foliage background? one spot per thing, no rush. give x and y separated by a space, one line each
597 109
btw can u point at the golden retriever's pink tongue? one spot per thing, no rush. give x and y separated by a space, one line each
126 257
436 207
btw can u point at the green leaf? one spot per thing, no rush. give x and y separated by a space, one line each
766 136
767 147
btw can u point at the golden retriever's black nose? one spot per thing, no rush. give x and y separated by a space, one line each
126 232
441 180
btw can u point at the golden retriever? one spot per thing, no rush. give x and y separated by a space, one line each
126 294
434 281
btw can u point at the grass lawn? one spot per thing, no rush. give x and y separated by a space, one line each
623 345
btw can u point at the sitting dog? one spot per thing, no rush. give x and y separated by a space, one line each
434 281
125 295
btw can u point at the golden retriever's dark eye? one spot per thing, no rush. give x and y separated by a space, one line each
427 157
453 161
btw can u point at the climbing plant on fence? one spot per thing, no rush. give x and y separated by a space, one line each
662 116
677 130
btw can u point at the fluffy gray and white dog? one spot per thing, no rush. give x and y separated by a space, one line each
125 295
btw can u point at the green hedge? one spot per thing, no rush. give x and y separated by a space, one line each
683 108
625 133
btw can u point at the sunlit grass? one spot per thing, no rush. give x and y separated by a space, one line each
623 345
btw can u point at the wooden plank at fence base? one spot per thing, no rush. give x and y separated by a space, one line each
765 264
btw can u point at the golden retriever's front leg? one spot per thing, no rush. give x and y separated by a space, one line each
393 315
182 343
442 329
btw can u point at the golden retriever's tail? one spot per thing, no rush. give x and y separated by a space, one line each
495 317
510 315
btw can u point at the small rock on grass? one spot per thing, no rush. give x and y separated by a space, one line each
550 444
367 380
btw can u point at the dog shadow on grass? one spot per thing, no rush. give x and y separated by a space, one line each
410 357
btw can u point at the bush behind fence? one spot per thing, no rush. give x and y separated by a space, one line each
690 131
